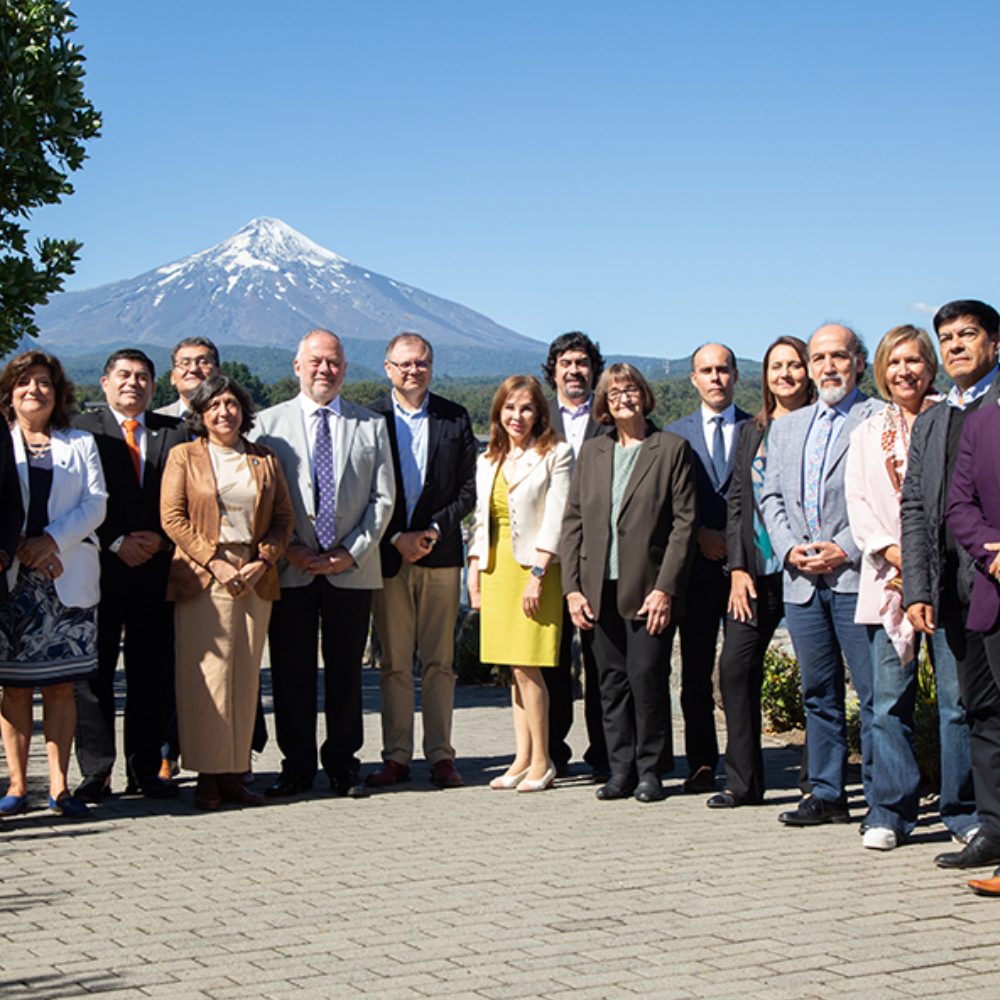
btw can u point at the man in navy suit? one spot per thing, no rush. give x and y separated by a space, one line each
434 454
711 432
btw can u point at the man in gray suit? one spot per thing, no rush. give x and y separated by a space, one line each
805 512
337 460
192 361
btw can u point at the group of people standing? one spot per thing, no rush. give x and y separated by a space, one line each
869 527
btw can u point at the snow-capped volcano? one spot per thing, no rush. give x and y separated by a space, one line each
265 285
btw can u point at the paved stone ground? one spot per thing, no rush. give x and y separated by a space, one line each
480 894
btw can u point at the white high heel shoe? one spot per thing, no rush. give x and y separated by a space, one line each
509 780
541 784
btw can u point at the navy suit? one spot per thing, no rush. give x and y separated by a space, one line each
699 627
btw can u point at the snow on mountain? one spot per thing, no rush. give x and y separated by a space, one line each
264 286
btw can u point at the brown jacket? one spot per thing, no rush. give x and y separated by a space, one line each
189 508
656 526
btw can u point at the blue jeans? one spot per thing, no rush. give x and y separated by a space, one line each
896 777
824 635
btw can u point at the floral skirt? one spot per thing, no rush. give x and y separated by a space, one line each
42 641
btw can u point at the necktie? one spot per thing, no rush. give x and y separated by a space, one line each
718 451
326 488
814 469
133 447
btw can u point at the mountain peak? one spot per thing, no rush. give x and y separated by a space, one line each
267 241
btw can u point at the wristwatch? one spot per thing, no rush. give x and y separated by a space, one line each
538 572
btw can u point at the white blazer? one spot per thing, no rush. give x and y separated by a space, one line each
537 500
77 503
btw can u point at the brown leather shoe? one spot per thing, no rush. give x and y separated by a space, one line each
986 886
390 773
169 769
444 774
232 789
206 793
702 779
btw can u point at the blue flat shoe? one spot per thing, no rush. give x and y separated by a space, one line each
69 806
11 805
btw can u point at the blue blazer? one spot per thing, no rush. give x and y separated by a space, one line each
710 493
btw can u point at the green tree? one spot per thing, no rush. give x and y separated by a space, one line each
44 120
239 372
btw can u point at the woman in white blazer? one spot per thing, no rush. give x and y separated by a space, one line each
48 627
522 482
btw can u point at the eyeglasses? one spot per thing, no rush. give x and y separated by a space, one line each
202 361
410 366
631 391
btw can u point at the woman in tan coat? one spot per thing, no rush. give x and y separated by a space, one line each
225 505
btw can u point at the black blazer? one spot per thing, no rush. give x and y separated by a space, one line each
922 506
711 494
11 505
741 551
131 507
449 491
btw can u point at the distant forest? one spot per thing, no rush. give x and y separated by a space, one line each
675 395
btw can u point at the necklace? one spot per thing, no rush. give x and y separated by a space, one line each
38 449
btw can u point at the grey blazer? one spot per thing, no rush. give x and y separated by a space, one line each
782 498
366 487
922 506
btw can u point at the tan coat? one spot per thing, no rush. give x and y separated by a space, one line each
656 525
189 508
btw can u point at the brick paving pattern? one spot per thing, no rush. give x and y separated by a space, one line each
474 894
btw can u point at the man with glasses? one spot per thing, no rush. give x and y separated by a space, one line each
336 458
191 362
805 513
711 432
434 454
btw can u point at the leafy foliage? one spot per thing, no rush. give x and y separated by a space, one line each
781 692
44 120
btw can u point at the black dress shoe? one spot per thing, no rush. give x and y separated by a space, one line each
612 791
729 800
93 789
814 811
348 785
701 779
153 787
286 785
650 790
979 853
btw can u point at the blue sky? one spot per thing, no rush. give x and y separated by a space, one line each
655 173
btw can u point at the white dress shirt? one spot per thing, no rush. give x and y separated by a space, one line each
574 421
728 415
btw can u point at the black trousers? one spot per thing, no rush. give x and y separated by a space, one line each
148 624
634 669
340 617
704 610
741 674
559 681
977 657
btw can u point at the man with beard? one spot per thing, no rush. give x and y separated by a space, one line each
572 368
805 513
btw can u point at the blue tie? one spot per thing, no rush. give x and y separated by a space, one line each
719 451
326 488
814 469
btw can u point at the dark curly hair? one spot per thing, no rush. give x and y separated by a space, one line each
573 341
216 385
61 385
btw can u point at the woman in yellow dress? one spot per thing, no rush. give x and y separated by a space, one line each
521 485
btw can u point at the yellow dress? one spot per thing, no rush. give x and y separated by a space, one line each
506 635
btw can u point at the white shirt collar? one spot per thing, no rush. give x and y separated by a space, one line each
310 406
121 418
728 414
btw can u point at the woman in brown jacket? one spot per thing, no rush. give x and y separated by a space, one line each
225 505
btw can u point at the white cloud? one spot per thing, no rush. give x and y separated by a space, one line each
923 308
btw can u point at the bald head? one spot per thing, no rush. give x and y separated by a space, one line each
320 365
714 375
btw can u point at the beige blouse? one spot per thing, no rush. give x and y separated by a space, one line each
237 492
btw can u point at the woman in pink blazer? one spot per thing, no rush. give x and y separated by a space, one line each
905 366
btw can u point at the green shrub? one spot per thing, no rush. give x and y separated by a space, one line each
781 692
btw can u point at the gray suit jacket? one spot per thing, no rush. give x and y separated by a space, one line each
366 488
922 508
782 499
174 409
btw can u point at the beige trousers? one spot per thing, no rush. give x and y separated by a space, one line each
219 643
415 612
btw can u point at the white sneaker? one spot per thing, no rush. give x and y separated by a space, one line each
880 838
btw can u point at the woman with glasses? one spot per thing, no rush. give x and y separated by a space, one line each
627 544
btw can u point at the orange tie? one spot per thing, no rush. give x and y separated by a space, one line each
133 446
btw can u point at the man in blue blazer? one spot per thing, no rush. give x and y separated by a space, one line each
805 513
711 432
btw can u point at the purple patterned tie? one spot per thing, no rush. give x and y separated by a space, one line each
326 487
814 469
